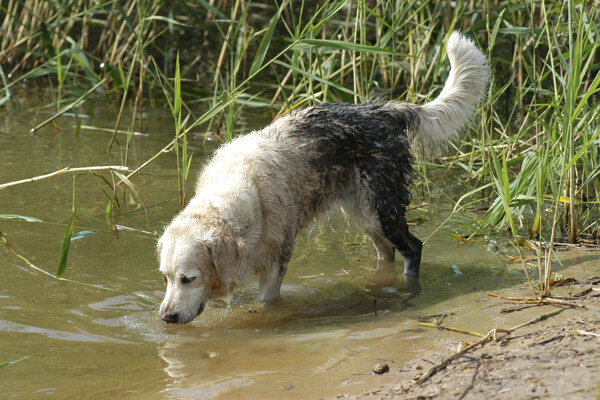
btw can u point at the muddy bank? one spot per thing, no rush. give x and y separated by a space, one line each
556 361
555 358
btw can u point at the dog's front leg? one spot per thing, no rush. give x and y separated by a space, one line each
270 283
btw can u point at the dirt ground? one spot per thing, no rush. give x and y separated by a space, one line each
555 358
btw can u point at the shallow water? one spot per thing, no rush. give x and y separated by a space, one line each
321 338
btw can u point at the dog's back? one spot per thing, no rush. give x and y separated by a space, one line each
341 150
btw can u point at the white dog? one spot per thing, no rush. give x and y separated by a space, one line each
259 191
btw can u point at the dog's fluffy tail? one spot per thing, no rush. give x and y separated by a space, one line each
447 115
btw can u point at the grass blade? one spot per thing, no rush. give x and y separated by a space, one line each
583 149
14 217
64 249
177 97
84 234
266 41
67 108
9 363
342 45
319 79
23 258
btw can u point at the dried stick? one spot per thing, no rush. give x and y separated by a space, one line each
23 258
492 335
449 328
539 301
68 107
64 171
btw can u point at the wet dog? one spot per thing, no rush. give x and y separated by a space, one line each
260 190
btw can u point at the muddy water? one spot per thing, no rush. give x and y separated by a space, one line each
320 339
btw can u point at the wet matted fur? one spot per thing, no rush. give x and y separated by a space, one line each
259 191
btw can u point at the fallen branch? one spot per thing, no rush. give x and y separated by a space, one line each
444 363
492 335
538 319
64 171
68 107
538 301
449 328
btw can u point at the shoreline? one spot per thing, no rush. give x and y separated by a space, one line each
555 357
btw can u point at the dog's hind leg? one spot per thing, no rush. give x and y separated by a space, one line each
385 249
409 246
396 231
385 275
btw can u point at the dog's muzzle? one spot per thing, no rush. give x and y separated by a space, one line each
175 318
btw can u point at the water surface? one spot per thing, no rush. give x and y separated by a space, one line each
321 338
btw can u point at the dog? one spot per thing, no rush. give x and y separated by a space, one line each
260 190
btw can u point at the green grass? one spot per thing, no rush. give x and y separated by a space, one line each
531 157
9 363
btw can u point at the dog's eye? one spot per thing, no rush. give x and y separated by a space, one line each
165 279
185 279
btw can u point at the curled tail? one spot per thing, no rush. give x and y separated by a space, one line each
447 115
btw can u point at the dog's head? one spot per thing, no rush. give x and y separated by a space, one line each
197 264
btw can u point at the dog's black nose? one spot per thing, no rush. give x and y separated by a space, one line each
169 318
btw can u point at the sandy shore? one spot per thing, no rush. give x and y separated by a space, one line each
555 358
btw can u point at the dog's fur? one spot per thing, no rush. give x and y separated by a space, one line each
259 191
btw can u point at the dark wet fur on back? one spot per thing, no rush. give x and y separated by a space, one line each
339 138
350 147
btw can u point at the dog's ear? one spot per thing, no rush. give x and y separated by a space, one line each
226 253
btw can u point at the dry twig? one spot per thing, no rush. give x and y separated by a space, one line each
492 335
449 328
538 301
64 171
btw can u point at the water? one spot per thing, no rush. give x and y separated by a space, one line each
321 338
